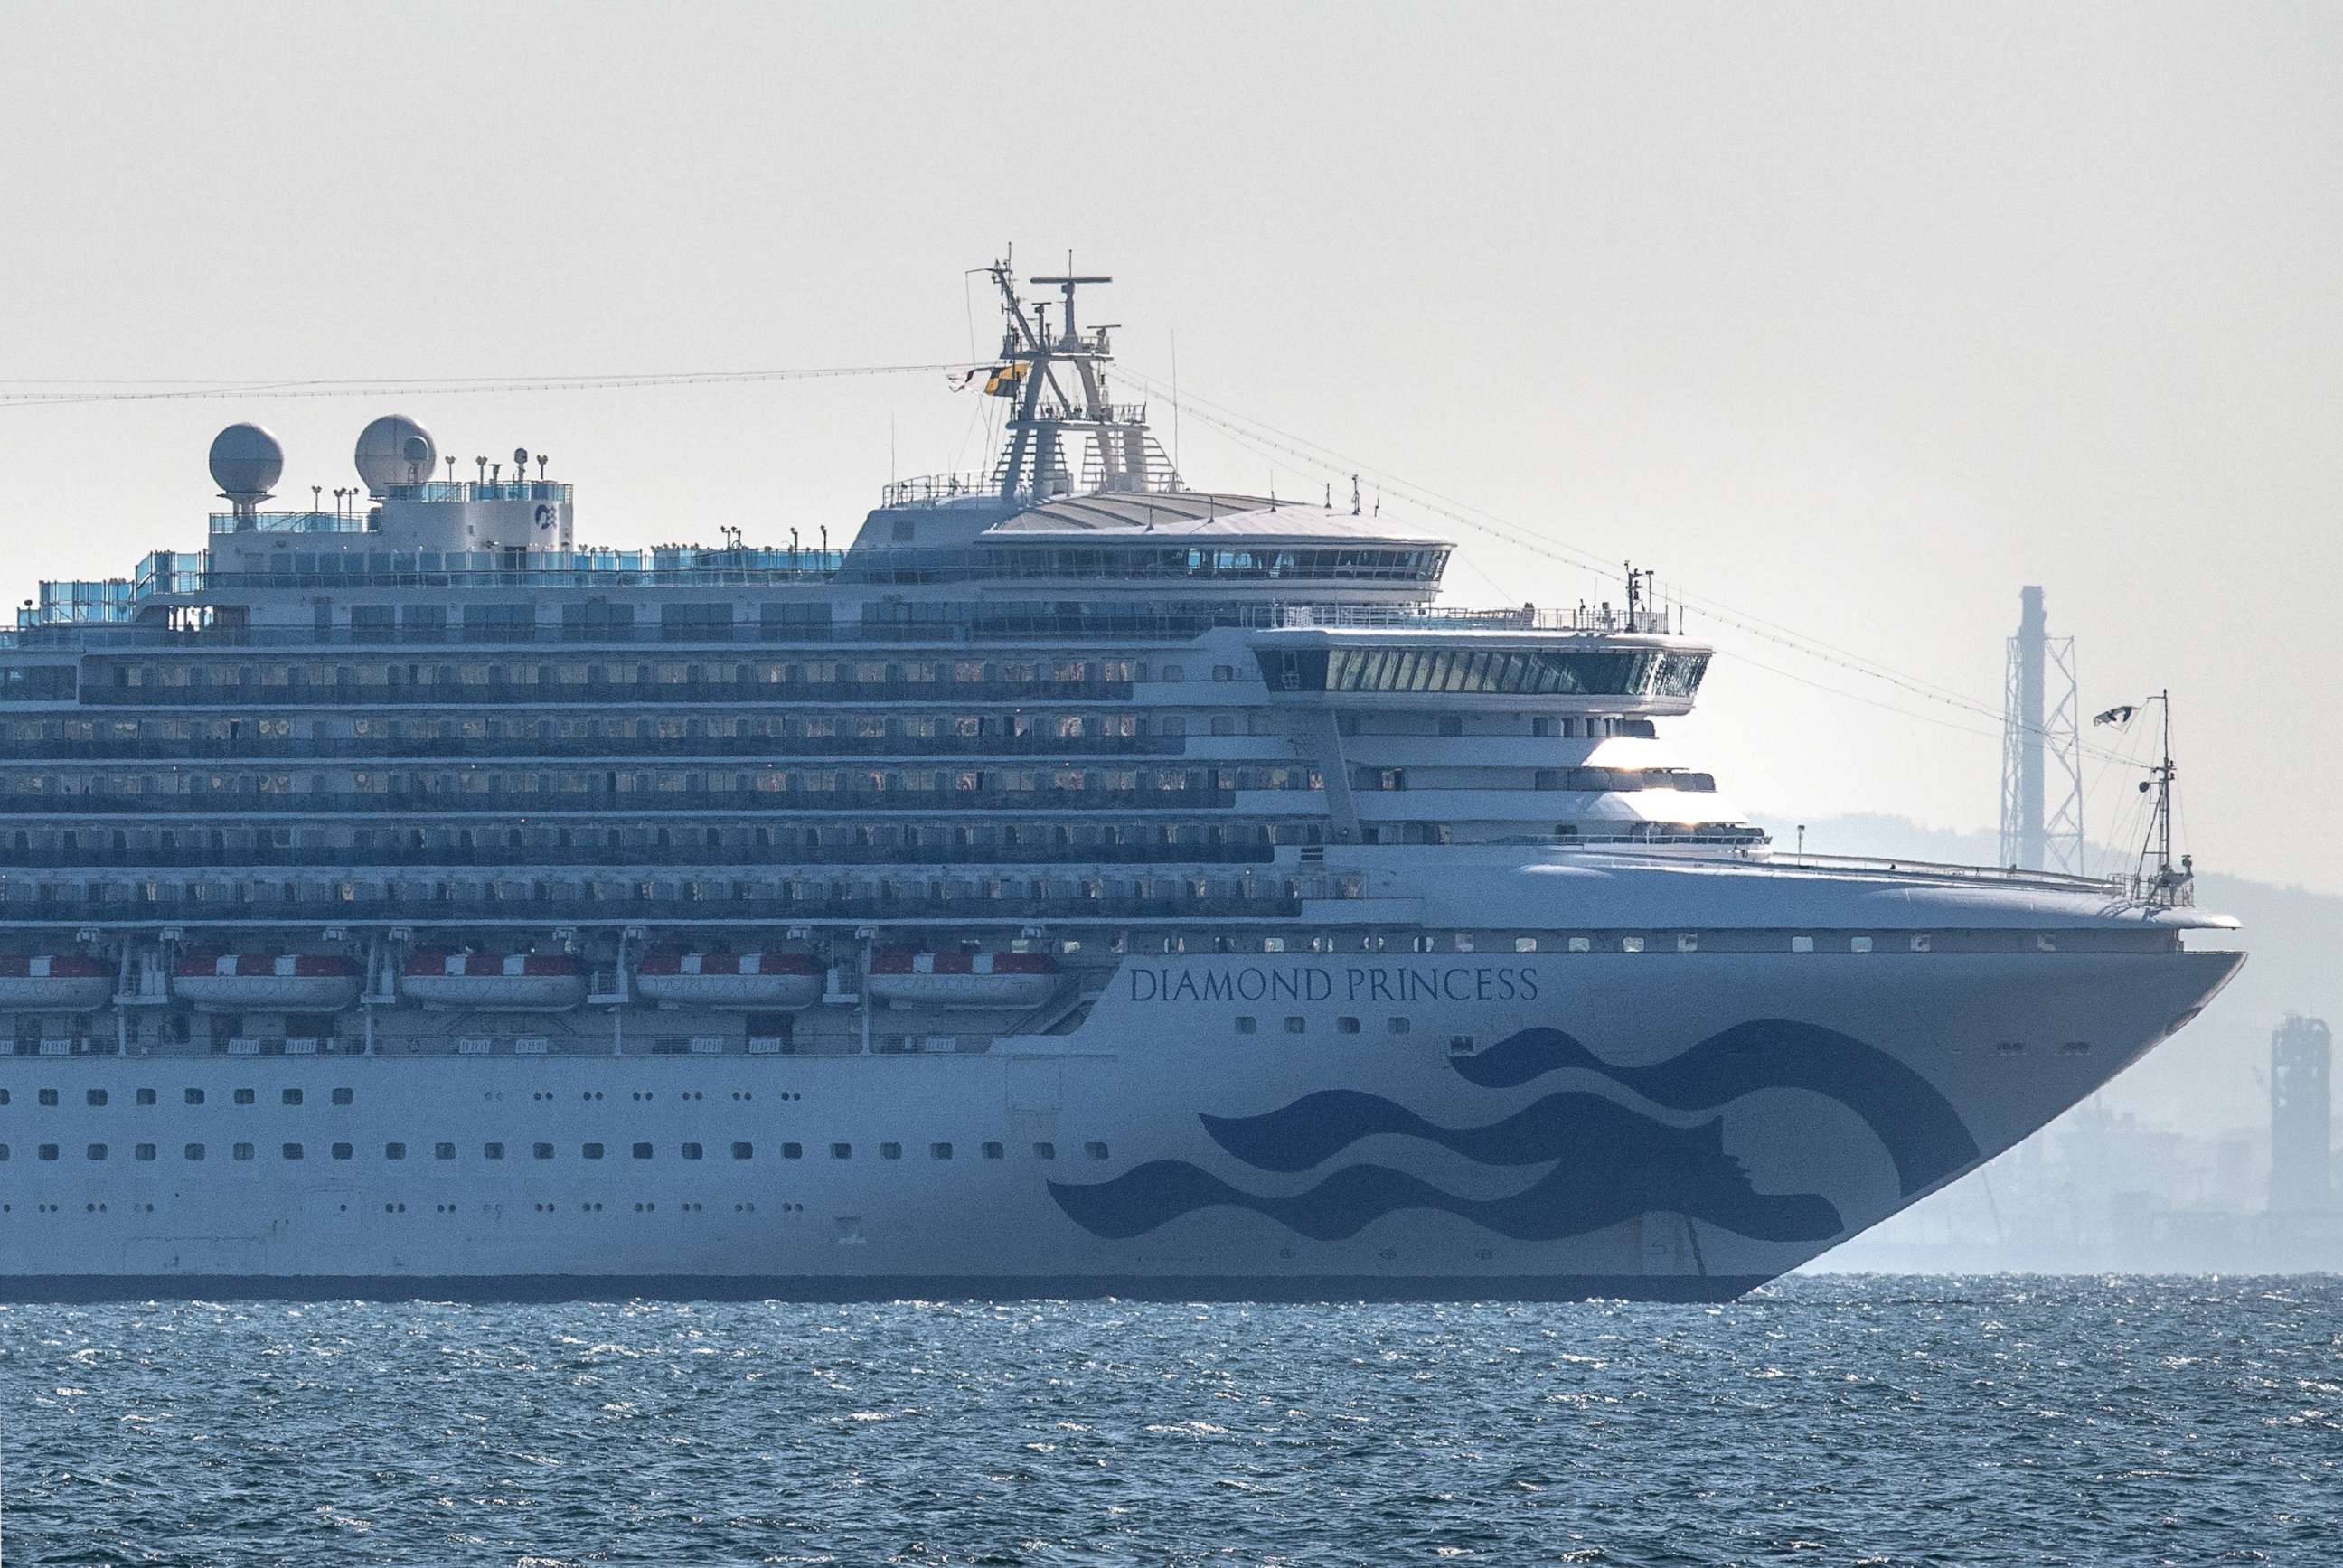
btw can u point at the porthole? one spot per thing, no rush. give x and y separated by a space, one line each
1094 1151
244 1097
792 1151
1045 1150
146 1097
642 1151
744 1152
343 1150
841 1151
994 1151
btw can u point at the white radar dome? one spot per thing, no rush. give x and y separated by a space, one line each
394 450
246 461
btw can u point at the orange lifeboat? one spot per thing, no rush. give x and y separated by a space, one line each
493 982
782 981
52 983
963 980
267 982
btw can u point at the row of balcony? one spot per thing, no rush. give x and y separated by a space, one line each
262 856
386 749
632 803
572 906
506 693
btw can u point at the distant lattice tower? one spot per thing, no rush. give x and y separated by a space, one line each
2041 747
2301 1116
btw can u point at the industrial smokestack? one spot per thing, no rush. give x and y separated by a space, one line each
2033 647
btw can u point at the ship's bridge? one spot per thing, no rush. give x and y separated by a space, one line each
1164 539
1594 658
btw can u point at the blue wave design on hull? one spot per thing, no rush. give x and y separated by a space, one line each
1610 1162
1922 1132
1576 1197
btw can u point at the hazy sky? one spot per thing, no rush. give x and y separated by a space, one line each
1851 317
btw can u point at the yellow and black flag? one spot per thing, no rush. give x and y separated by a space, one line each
1005 379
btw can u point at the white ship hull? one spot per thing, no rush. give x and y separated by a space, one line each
1686 1134
1189 899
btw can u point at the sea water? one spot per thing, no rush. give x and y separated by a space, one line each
1825 1420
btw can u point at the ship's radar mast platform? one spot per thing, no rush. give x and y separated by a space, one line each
1057 377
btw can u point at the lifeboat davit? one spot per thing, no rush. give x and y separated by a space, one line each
494 982
782 981
267 982
963 980
52 983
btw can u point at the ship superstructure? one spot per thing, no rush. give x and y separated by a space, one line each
1078 882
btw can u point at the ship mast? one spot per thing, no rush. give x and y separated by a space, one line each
2169 884
1054 413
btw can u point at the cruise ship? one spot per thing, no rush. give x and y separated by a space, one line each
1079 884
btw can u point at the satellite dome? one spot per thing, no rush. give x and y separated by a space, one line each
245 460
394 450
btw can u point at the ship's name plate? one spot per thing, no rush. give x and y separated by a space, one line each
1324 983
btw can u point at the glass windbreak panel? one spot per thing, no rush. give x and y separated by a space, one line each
1560 672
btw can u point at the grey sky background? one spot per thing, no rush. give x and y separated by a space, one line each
1852 318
